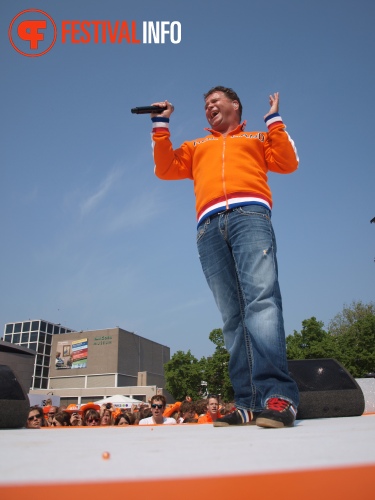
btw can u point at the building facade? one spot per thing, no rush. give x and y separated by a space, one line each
37 336
89 365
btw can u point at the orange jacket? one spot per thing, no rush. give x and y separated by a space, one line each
170 409
206 419
227 171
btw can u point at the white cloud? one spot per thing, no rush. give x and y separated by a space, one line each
140 210
92 201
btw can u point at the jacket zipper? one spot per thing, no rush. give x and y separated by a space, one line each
223 174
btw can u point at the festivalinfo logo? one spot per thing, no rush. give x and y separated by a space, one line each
33 32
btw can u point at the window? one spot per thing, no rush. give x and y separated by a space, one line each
9 328
39 359
17 327
33 346
62 330
35 325
49 328
90 399
34 337
8 338
48 350
16 338
36 383
68 401
26 326
140 397
56 330
41 349
49 339
44 383
42 337
25 337
43 326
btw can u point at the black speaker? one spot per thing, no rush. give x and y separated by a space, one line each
14 403
326 389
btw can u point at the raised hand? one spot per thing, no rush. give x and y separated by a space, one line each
274 103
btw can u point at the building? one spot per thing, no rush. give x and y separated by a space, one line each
37 336
89 365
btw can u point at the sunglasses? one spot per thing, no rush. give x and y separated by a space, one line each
34 417
90 420
157 406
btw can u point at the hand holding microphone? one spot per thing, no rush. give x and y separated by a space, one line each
163 108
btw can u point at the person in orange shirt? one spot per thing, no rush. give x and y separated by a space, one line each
213 412
236 244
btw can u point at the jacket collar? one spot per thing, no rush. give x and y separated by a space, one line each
239 128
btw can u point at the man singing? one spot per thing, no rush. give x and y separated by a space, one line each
237 247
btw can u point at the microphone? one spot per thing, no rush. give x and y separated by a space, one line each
143 110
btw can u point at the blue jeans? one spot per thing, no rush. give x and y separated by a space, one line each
237 250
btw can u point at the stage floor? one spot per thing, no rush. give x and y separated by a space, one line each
319 458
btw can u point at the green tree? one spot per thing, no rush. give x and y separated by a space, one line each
312 342
349 316
217 338
350 339
354 330
216 372
183 375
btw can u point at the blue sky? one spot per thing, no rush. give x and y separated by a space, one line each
92 239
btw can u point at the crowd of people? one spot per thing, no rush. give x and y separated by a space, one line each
156 412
